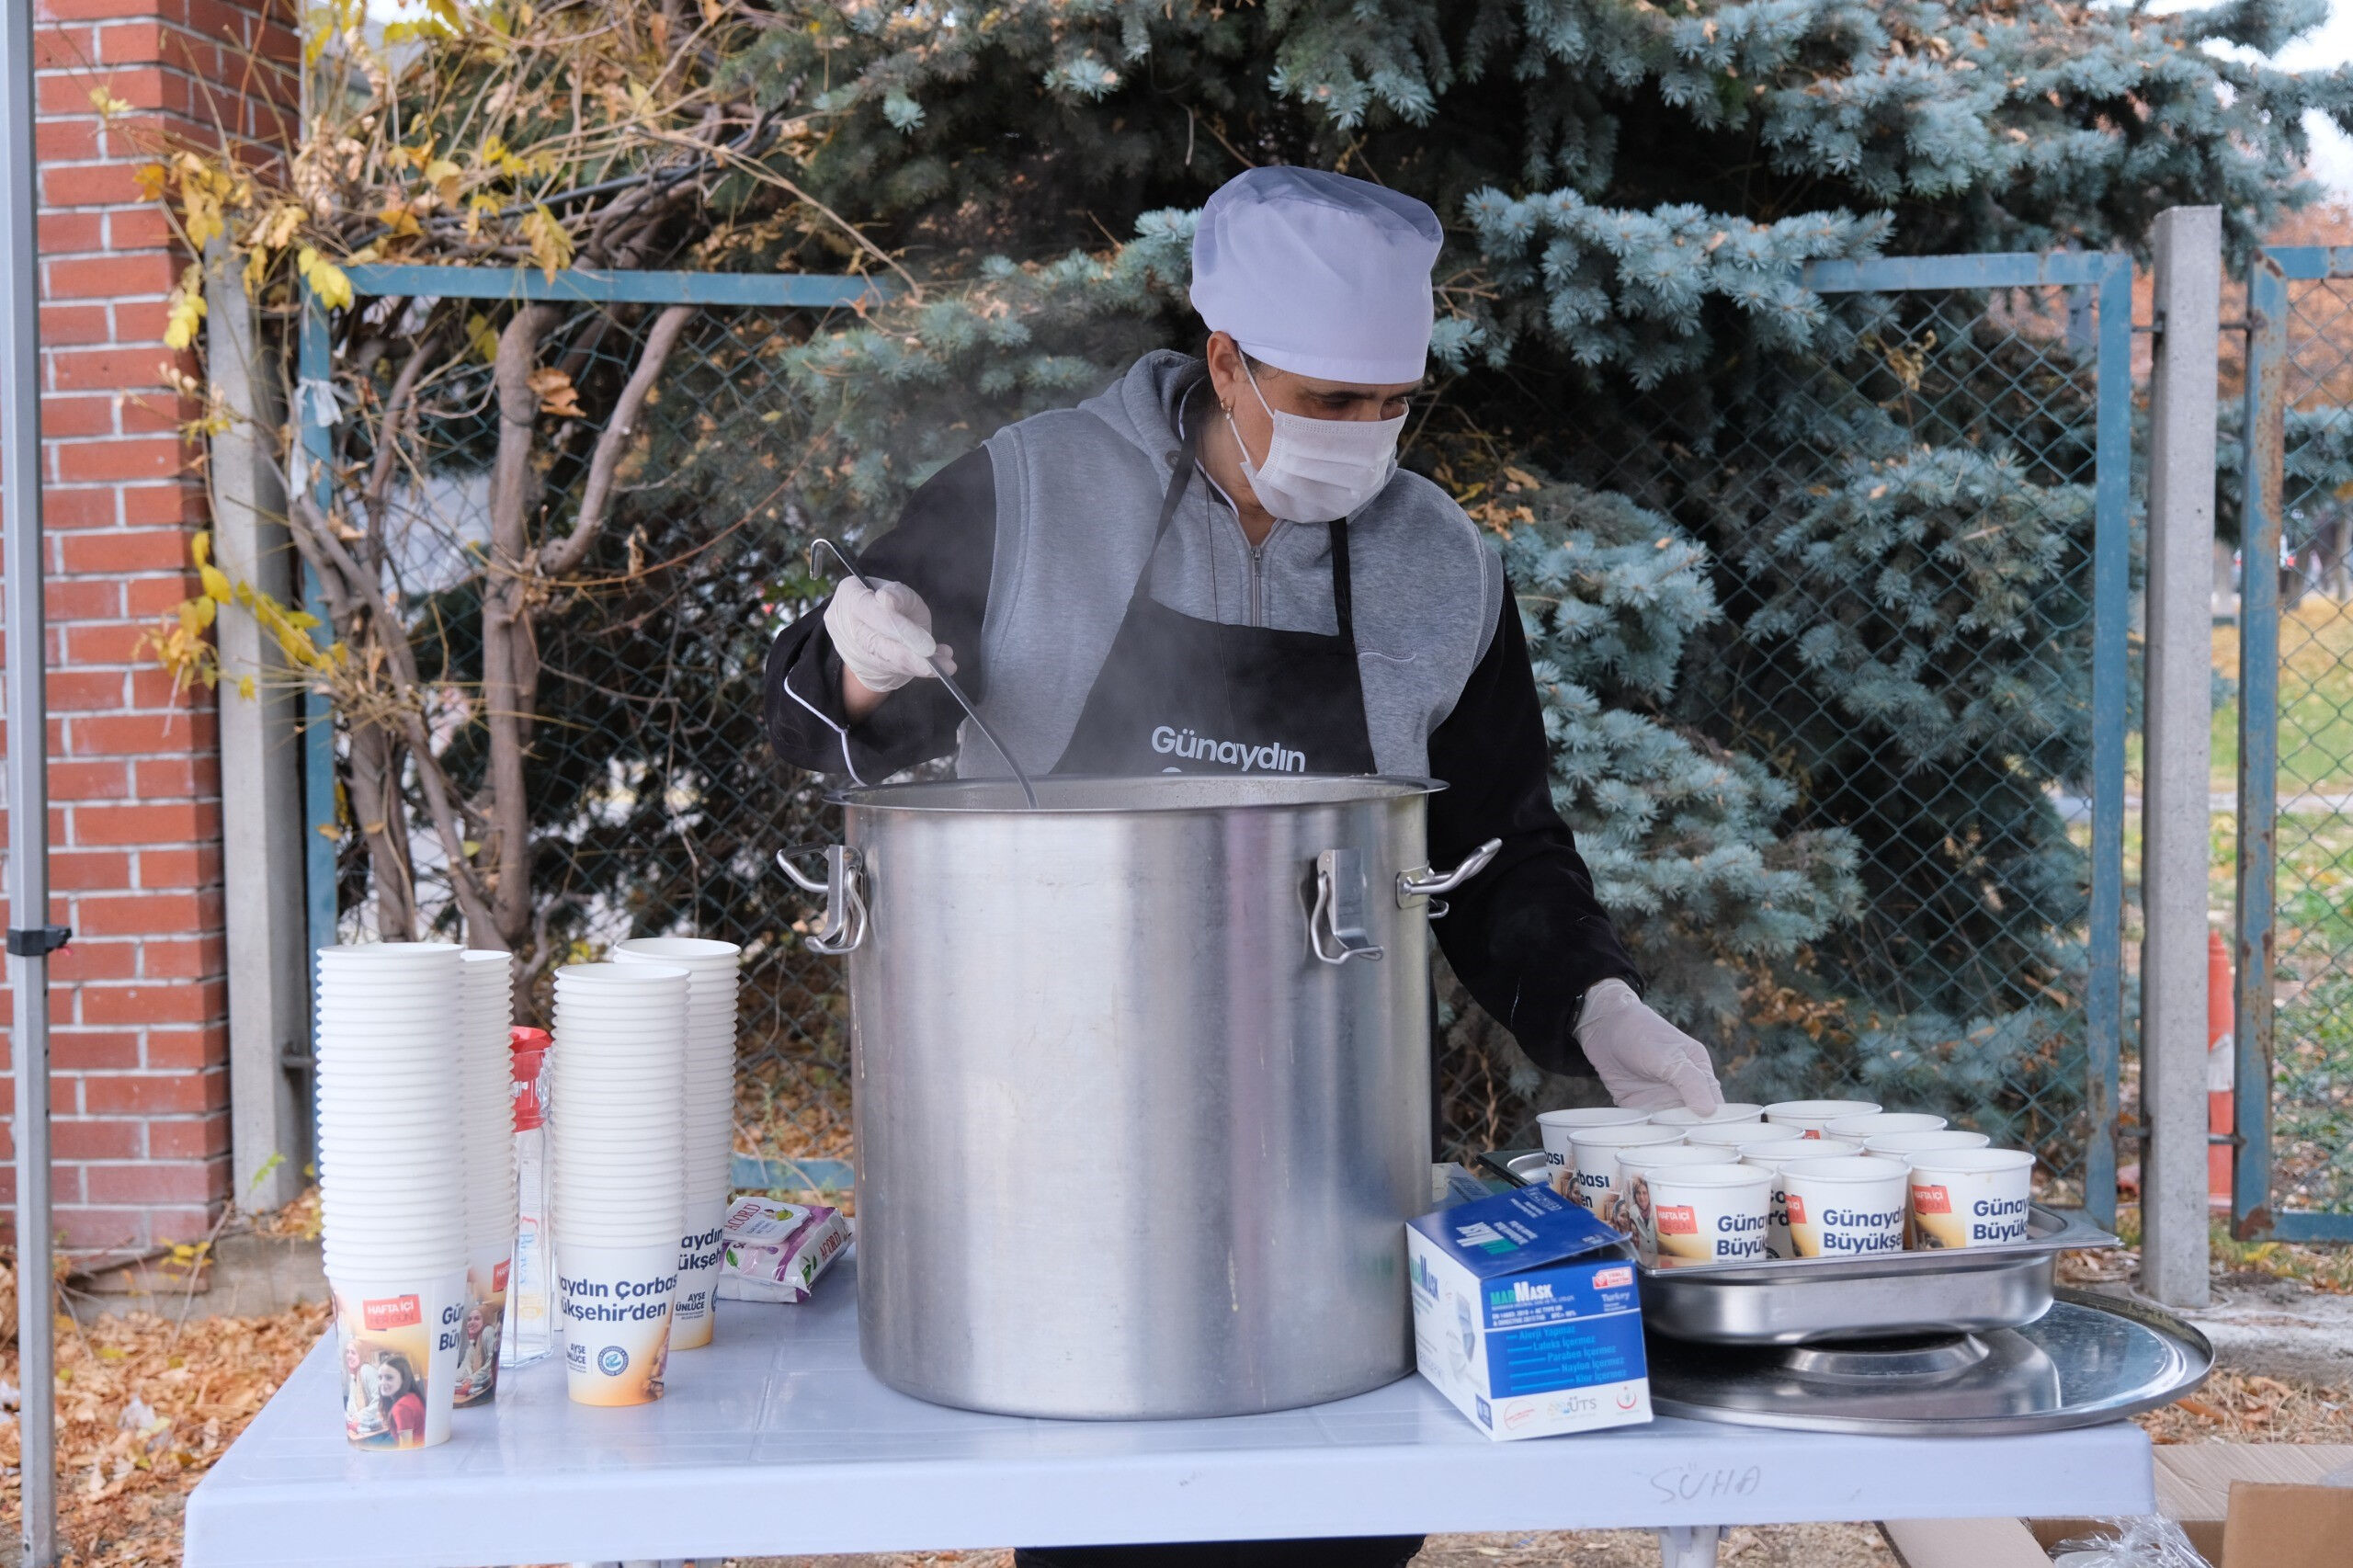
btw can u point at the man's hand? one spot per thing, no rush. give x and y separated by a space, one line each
883 635
1645 1063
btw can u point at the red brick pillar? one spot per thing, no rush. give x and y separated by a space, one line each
140 1088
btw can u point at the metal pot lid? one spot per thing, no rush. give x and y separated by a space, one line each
2090 1359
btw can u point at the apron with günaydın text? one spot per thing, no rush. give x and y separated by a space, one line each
1181 695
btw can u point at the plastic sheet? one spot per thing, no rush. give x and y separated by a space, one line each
2150 1540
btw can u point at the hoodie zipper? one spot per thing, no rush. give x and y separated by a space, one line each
1254 600
1254 609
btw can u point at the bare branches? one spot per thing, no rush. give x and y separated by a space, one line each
559 557
367 615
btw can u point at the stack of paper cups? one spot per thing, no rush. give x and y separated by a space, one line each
710 1123
486 1123
617 1107
392 1184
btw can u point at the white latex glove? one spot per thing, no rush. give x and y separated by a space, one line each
1645 1063
883 634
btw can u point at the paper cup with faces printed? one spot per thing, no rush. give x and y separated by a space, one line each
614 1305
1971 1198
1635 1162
399 1338
1594 1160
1772 1157
1872 1123
1712 1214
1731 1114
1560 1126
486 1318
1812 1116
1844 1206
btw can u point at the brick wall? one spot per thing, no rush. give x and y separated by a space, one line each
140 1044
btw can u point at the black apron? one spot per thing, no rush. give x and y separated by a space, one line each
1181 695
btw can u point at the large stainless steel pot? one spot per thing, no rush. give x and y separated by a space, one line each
1143 1087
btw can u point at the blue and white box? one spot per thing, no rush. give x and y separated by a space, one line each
1527 1316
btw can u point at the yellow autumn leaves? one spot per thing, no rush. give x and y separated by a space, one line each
180 645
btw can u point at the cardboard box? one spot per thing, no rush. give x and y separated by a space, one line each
2288 1527
2194 1487
1527 1316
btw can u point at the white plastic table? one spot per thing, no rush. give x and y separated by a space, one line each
775 1440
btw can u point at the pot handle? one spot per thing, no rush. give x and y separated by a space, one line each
1339 909
844 891
1412 885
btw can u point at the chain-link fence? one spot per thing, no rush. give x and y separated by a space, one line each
2298 632
656 803
1903 530
1909 527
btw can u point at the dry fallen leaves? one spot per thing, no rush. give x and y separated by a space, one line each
144 1405
2244 1407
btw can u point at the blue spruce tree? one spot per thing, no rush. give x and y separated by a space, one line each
1803 577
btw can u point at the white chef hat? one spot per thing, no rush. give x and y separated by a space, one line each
1318 274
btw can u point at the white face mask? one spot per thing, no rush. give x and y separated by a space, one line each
1318 471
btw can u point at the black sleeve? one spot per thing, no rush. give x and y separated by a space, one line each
944 548
1527 936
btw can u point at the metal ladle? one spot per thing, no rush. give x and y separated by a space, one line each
1028 790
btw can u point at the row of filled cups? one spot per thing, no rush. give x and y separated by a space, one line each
1801 1179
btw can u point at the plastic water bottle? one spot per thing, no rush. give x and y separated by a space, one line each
530 1279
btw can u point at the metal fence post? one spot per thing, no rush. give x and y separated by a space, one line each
2111 609
30 938
2178 718
313 400
2258 835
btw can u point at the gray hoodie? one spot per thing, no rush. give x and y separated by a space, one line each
1078 492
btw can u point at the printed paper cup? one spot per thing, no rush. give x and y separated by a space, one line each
1703 1214
486 1313
1844 1206
1872 1123
614 1305
398 1339
694 1306
1728 1115
1634 1164
1904 1145
1772 1157
1971 1198
1557 1127
1739 1136
1811 1117
1594 1157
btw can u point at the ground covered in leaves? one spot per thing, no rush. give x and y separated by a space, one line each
144 1405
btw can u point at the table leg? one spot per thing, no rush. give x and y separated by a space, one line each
1688 1546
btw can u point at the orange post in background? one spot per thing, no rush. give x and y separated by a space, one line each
2222 1070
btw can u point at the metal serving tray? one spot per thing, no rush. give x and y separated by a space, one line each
2088 1359
1809 1300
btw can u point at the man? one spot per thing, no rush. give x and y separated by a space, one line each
1216 565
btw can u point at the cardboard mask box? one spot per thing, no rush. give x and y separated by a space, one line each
1527 1316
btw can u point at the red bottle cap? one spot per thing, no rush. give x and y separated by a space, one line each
530 1049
